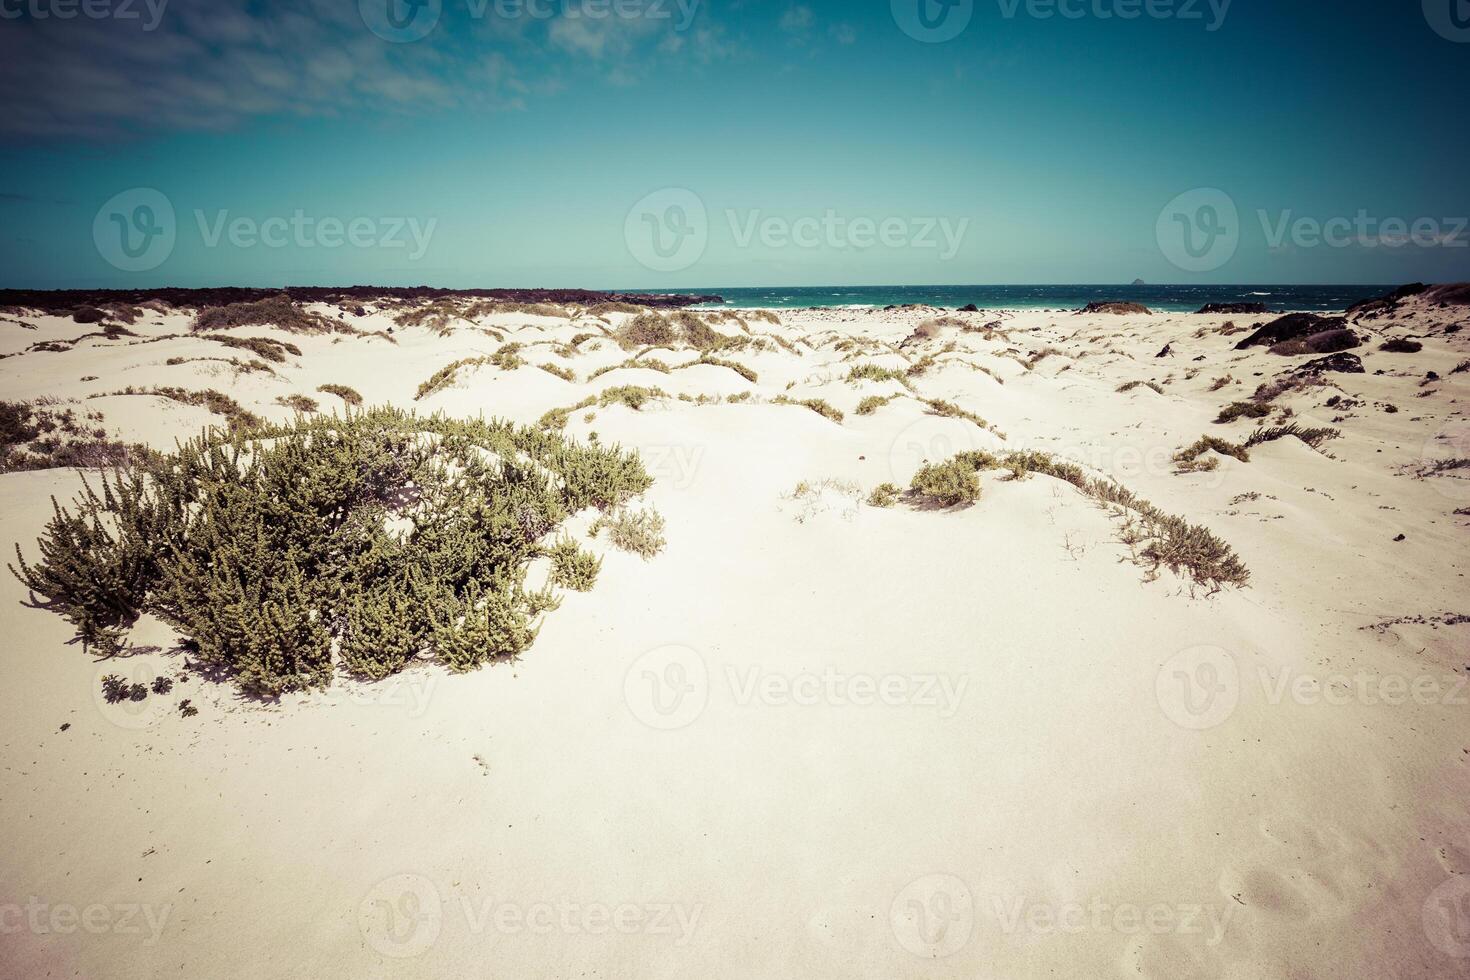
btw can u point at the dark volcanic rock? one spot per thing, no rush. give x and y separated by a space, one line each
1387 302
1342 363
1293 326
969 308
65 300
1234 308
1332 341
1114 307
1399 345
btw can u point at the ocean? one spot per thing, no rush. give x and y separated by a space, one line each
1175 299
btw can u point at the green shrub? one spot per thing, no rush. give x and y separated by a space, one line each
348 395
1129 386
884 495
872 403
274 351
34 436
647 329
446 376
1313 437
573 568
735 366
275 311
872 372
264 549
1236 410
566 374
298 403
633 396
640 532
508 357
817 405
211 400
949 484
1207 443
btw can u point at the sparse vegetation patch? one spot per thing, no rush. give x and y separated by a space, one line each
391 538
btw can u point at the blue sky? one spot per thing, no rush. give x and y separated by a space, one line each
698 143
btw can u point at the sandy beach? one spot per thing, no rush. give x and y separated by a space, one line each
812 736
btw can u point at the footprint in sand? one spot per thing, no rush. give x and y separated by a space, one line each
1453 859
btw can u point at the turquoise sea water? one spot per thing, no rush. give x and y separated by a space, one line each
1167 298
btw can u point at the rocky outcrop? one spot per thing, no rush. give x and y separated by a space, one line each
1242 308
1293 326
1119 308
1342 363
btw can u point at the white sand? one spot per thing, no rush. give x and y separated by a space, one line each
812 738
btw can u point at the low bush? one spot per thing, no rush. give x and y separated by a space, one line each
1313 437
446 376
872 403
275 311
209 399
348 395
817 405
640 532
274 351
1166 540
39 437
872 372
566 374
947 484
573 568
298 403
884 495
391 537
1236 410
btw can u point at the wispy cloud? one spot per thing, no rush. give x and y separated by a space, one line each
217 64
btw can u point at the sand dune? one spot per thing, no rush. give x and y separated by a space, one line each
812 737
